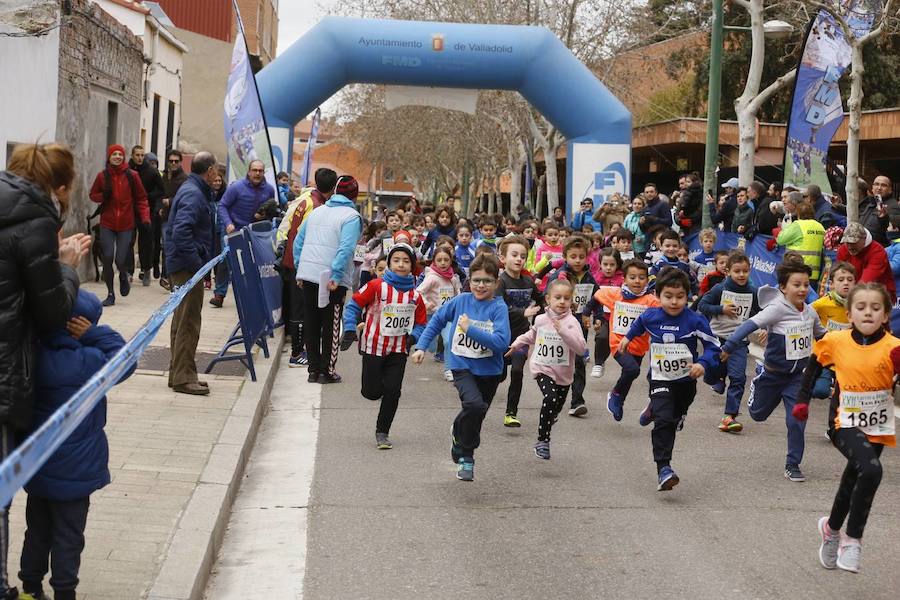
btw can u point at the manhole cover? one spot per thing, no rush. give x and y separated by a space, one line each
156 358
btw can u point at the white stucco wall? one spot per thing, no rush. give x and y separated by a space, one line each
28 88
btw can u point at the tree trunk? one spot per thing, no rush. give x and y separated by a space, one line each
539 199
854 105
744 107
515 186
552 177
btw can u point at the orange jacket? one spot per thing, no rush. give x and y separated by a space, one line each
608 297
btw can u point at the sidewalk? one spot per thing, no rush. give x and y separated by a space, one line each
160 443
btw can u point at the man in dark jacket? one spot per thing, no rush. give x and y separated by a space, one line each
873 214
173 178
824 212
883 189
238 208
691 215
725 212
189 245
153 185
657 211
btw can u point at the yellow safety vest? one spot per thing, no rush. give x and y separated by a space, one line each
810 247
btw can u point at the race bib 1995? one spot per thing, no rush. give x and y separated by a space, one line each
669 362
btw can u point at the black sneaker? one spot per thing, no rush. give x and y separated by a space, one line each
110 300
124 286
313 377
793 473
325 378
145 278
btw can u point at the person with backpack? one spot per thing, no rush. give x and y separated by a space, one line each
121 196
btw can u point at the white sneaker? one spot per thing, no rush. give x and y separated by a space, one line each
448 375
848 555
831 540
597 371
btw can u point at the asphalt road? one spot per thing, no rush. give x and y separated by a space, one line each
587 524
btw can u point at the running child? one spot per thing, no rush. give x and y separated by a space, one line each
832 311
866 360
671 245
480 326
394 310
465 249
488 228
575 270
791 327
557 339
610 275
707 257
717 275
550 249
445 224
439 285
623 241
625 305
523 302
727 306
674 365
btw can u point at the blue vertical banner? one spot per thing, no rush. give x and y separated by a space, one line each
262 241
816 108
310 146
246 134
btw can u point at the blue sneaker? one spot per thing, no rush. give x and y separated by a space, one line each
465 470
300 360
646 416
667 479
719 387
615 405
455 449
542 450
439 357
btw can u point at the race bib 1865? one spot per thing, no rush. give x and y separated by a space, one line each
872 412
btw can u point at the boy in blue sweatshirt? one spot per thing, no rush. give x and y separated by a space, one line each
59 493
727 305
579 275
707 256
674 365
465 249
480 325
792 325
670 244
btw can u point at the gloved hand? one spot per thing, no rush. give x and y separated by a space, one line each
895 358
347 339
800 412
685 222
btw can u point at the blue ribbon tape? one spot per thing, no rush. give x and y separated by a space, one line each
28 458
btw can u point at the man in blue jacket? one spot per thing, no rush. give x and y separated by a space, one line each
189 246
238 208
586 217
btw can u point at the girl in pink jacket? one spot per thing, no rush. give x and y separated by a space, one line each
557 339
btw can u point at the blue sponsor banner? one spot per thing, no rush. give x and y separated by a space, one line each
262 240
762 260
310 147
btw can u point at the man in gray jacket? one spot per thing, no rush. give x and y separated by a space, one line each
324 248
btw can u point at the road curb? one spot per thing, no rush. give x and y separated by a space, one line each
186 566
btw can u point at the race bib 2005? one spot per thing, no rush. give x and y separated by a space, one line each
397 319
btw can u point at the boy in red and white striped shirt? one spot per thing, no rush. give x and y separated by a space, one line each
395 318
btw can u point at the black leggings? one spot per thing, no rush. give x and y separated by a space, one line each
601 343
516 365
382 379
115 246
858 483
554 400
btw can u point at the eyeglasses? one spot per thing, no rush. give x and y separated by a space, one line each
174 161
482 282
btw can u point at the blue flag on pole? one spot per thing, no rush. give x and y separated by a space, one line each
816 108
310 146
246 134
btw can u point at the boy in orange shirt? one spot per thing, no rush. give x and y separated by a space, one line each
624 306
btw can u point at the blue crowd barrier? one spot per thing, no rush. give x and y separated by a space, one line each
25 460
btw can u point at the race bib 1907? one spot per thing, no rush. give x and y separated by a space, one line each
669 362
872 412
549 349
798 340
741 302
624 316
397 319
465 346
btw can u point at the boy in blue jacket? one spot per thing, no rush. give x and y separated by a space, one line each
674 365
59 493
480 325
792 326
727 305
670 244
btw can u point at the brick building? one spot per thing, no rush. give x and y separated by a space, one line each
71 73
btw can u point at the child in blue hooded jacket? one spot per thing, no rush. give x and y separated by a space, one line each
59 493
480 326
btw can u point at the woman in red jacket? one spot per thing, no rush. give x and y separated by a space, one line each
122 199
868 257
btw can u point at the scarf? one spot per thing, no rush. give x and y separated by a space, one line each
445 273
627 294
837 299
404 283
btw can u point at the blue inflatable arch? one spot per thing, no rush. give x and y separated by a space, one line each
531 60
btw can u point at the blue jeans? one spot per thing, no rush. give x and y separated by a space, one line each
631 368
737 378
223 276
476 394
768 390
